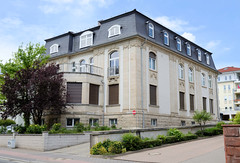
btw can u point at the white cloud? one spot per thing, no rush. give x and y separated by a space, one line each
173 24
189 36
211 45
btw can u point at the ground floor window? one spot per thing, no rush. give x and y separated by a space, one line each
193 122
71 122
113 122
183 123
153 122
181 100
93 122
211 105
205 103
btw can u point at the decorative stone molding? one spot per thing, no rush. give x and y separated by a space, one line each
113 80
135 43
172 58
153 75
211 91
191 87
181 85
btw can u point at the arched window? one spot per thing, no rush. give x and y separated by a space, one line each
203 79
179 46
86 39
152 61
207 59
54 48
210 81
199 55
114 30
188 49
190 75
166 38
82 66
151 30
180 71
91 65
114 63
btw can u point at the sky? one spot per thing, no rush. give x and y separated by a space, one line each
212 24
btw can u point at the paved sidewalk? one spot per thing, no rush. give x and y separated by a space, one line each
209 150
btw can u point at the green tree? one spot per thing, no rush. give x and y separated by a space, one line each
24 58
202 117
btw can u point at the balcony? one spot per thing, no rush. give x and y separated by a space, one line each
237 91
77 68
113 71
237 101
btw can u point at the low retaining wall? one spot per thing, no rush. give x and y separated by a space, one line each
45 141
116 135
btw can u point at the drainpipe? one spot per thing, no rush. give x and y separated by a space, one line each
218 109
104 104
143 119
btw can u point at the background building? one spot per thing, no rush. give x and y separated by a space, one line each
229 92
105 68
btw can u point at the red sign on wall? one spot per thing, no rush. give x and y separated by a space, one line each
134 112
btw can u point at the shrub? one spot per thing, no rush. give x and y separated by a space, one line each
149 143
56 126
219 125
113 127
131 142
116 147
3 130
162 137
95 149
6 122
20 129
35 129
79 127
236 119
171 139
210 132
106 144
175 132
202 117
189 136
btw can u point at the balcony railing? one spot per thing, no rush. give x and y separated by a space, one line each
113 71
77 68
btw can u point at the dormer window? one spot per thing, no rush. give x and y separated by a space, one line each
189 49
114 30
199 55
54 48
179 46
151 30
86 39
207 59
166 38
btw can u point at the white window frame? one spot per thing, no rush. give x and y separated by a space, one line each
179 44
154 122
203 79
86 39
92 121
73 121
189 49
54 48
180 71
74 67
114 68
151 30
210 81
82 65
114 30
199 54
152 62
114 120
207 59
190 75
165 36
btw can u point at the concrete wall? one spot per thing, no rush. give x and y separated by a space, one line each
100 136
44 142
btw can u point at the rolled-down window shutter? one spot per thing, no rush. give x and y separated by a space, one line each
153 94
74 92
93 94
113 94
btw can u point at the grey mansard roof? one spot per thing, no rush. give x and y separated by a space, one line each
132 23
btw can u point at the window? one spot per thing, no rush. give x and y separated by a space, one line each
113 94
189 49
54 48
180 71
225 108
190 75
82 66
230 99
218 78
71 122
93 94
230 77
73 67
153 95
152 61
229 87
230 108
207 59
93 122
211 105
91 65
181 100
151 30
203 79
86 39
114 64
199 55
191 102
193 122
112 122
179 45
74 92
153 122
114 30
166 38
210 81
205 103
225 99
225 77
183 123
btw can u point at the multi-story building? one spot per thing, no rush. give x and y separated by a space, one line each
229 92
131 62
